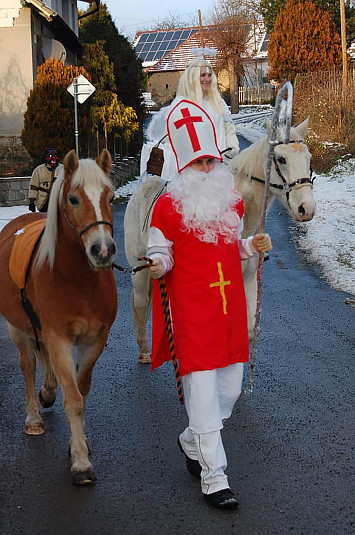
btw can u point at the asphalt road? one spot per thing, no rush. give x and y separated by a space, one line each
289 445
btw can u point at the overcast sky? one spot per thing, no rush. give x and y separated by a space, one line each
134 15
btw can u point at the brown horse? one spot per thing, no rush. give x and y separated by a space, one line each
71 288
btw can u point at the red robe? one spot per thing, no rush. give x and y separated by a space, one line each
207 299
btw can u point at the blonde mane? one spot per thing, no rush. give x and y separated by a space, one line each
87 174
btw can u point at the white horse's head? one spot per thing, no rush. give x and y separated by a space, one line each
290 177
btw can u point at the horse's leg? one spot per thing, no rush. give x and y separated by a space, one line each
250 285
48 392
61 357
141 306
86 359
34 422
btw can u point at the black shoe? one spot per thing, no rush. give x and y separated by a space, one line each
222 499
193 467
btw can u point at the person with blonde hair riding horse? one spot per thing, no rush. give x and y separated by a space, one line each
198 84
194 242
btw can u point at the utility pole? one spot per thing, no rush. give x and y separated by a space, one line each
343 48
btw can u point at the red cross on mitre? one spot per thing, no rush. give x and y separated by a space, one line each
188 121
192 134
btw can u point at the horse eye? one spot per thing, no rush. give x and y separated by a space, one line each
74 201
281 159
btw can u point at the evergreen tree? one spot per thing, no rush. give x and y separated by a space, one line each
127 68
270 9
49 117
304 40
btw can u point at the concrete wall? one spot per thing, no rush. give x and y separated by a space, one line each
16 75
14 190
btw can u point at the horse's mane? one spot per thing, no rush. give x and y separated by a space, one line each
87 174
250 161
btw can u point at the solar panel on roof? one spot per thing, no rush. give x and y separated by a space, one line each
164 42
150 56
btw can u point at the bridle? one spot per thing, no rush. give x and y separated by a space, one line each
285 186
79 233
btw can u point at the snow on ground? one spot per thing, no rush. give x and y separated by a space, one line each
328 239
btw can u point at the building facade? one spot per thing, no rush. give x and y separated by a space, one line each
31 31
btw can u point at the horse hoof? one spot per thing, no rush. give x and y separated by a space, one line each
144 358
87 477
45 403
34 429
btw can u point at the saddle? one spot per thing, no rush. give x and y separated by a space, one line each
24 245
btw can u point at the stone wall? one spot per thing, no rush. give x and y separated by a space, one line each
14 190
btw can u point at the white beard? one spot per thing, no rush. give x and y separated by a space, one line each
207 202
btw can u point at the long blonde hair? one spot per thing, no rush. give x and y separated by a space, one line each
189 85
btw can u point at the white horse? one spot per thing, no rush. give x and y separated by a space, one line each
291 183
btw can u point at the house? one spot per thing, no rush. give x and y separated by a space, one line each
32 31
166 53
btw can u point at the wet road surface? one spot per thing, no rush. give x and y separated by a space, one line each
289 445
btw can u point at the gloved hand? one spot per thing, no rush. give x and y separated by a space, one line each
32 206
156 269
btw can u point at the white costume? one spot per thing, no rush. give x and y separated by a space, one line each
225 133
210 390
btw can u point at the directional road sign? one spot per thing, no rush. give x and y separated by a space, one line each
83 88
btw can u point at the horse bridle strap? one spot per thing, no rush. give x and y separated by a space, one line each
89 226
285 186
81 232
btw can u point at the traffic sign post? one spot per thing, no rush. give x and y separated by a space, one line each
80 89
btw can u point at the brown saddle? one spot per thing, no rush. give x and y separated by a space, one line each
26 239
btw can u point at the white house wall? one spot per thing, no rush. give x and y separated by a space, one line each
16 75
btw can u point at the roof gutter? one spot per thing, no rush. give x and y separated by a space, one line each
97 2
45 11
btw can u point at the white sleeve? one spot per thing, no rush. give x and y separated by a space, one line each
159 246
246 249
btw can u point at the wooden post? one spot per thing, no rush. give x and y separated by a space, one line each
200 24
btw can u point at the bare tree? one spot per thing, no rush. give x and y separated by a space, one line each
175 20
233 20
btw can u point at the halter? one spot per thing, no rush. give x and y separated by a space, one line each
79 233
285 186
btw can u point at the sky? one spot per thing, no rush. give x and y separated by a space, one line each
134 15
328 240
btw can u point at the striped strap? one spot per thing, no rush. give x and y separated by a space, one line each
167 319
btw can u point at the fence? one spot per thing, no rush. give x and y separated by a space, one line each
262 94
332 111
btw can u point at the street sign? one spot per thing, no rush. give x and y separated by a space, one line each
81 89
84 88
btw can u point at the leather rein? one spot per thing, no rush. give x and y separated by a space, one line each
285 186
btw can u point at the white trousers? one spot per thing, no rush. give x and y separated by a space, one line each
210 396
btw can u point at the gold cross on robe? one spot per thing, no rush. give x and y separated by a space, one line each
221 283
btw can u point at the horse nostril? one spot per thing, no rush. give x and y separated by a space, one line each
112 249
95 250
301 210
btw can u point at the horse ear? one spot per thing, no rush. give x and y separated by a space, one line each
104 161
302 128
71 162
268 125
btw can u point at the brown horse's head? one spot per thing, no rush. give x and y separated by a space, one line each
87 198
